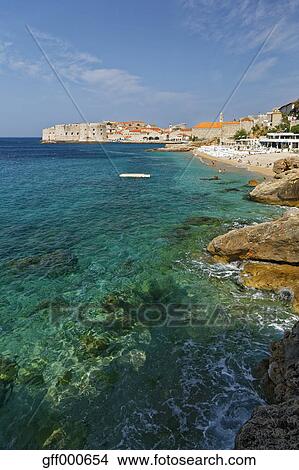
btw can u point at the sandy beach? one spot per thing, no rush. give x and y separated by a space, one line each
257 163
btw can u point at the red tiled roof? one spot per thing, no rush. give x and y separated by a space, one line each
208 125
215 125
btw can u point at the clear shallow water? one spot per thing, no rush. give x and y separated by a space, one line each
81 251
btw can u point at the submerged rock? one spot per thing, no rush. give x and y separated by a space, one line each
52 264
204 220
32 374
8 375
181 232
161 290
118 308
69 436
57 308
186 229
135 358
275 241
276 426
212 178
65 378
31 379
56 440
284 190
231 190
117 301
94 344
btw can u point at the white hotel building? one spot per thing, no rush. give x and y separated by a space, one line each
285 140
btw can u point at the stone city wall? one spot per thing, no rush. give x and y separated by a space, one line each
83 132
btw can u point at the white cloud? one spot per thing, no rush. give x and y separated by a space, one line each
243 24
78 67
114 80
111 87
24 66
63 50
83 68
10 60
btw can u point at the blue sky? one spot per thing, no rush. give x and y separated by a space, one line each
161 60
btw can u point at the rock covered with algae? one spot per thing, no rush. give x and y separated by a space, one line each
53 264
8 376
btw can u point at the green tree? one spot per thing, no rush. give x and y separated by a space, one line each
259 131
240 134
295 111
295 129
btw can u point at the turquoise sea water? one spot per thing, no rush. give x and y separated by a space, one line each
117 330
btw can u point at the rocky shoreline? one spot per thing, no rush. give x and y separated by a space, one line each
269 257
269 253
276 424
283 189
173 148
182 147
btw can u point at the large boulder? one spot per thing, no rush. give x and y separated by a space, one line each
285 164
271 427
281 278
284 190
276 241
280 382
276 426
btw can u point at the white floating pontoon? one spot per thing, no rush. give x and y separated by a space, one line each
134 175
